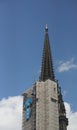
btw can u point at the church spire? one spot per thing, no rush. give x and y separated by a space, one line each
47 65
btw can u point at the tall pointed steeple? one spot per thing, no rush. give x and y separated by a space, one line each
47 65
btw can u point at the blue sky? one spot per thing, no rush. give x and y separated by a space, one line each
22 31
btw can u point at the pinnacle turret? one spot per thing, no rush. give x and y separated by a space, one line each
47 65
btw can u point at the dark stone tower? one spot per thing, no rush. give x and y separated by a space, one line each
43 106
63 121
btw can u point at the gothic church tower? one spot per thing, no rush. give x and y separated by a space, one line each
43 106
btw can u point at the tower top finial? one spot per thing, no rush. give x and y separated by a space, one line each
46 28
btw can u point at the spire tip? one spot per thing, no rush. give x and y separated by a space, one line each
46 28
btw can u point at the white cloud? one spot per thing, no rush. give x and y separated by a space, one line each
11 114
72 116
65 66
